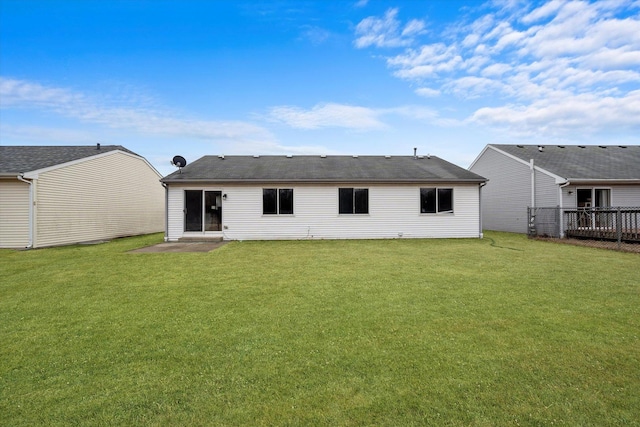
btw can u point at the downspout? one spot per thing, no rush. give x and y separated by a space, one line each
561 207
166 211
21 178
533 184
482 184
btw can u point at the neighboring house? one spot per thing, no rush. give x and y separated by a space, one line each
69 194
322 197
564 176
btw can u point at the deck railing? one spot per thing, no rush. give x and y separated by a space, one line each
621 224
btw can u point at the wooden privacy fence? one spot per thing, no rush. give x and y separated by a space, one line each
620 224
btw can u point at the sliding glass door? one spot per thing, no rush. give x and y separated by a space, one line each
202 210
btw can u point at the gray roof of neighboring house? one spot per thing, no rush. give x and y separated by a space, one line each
22 159
581 162
365 169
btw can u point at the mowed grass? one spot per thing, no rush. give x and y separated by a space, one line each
348 333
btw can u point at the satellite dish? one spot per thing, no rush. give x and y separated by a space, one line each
179 161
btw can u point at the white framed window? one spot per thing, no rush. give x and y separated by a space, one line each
353 201
277 201
436 200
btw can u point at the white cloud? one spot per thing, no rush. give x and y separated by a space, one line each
387 31
46 134
473 87
415 26
20 94
316 35
329 115
356 118
578 114
427 92
495 70
543 11
535 59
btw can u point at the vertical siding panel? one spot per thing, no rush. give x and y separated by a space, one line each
546 191
507 194
102 198
175 206
14 214
625 195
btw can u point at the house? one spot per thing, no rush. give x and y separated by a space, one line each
322 197
60 195
570 177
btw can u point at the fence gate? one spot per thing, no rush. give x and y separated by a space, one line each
544 222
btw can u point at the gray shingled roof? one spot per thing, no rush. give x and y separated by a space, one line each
22 159
322 169
581 162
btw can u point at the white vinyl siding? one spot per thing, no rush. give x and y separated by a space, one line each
625 195
507 194
546 191
394 211
14 214
175 212
101 198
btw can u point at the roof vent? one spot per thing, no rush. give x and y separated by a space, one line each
355 156
541 148
289 156
560 146
520 146
387 157
323 156
98 146
421 157
581 146
622 146
602 146
221 156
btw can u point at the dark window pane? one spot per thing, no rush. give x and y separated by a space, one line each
445 199
269 201
286 201
361 200
345 196
193 210
428 200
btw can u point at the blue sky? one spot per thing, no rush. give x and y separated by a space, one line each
318 77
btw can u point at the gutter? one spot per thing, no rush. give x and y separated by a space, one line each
533 183
579 181
320 181
482 184
166 211
561 207
21 178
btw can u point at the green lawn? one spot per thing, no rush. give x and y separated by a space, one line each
388 332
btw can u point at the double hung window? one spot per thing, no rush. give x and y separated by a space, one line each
436 200
277 201
353 200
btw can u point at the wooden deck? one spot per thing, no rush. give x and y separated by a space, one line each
615 224
627 235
